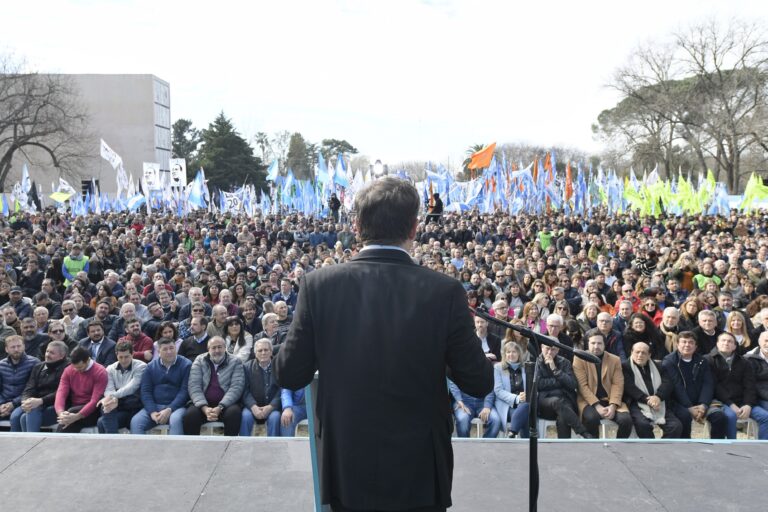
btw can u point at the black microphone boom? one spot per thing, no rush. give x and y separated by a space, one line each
542 339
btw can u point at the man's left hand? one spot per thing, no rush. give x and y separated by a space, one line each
485 412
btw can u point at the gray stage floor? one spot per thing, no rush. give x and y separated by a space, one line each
158 473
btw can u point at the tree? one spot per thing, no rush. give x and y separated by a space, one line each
227 157
262 140
330 149
185 142
297 157
39 115
466 172
700 97
280 143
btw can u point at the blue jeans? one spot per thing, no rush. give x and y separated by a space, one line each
722 422
247 421
299 413
519 420
463 419
113 421
32 421
760 415
141 422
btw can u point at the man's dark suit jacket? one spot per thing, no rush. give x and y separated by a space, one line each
494 345
106 355
381 330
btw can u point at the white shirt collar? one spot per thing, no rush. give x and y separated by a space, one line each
375 246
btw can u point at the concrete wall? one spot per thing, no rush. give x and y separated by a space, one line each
131 113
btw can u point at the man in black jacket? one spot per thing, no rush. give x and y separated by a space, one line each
734 386
40 392
261 398
694 386
557 393
758 358
373 346
647 391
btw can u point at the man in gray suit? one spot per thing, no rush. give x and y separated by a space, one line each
382 331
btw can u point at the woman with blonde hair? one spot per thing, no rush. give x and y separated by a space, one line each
532 319
509 390
689 313
736 324
513 336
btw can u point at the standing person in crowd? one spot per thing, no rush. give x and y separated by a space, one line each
330 337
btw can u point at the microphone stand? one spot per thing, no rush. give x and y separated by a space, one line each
537 340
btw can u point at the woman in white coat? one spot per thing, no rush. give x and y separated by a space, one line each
509 388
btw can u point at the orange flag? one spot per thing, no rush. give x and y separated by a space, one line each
482 159
548 167
568 182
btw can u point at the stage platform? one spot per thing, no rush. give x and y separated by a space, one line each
81 473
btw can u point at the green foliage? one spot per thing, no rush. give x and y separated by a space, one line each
227 157
330 148
297 157
185 142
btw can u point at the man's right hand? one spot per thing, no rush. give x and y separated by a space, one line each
164 416
460 405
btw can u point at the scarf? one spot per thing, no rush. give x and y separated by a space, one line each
657 417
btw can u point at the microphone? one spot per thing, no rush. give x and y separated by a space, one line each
585 355
482 311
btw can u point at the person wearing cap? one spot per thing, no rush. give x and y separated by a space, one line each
74 263
16 301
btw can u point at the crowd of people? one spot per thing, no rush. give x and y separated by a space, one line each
126 320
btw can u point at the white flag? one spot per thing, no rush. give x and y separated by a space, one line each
109 155
64 186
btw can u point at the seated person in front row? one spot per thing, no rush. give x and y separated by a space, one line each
557 393
14 372
735 393
216 382
648 390
121 398
509 388
466 408
163 391
39 393
80 389
694 385
601 388
261 397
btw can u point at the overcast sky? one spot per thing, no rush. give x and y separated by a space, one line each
400 80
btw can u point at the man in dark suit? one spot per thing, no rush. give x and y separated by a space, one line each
490 342
382 345
101 348
261 398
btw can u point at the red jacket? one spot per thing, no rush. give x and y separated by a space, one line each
140 345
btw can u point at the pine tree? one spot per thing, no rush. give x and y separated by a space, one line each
227 157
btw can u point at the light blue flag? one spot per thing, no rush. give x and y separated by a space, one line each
272 171
5 205
340 177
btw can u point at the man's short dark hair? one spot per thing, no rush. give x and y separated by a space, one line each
93 323
689 335
79 355
386 211
165 341
202 319
124 346
132 321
